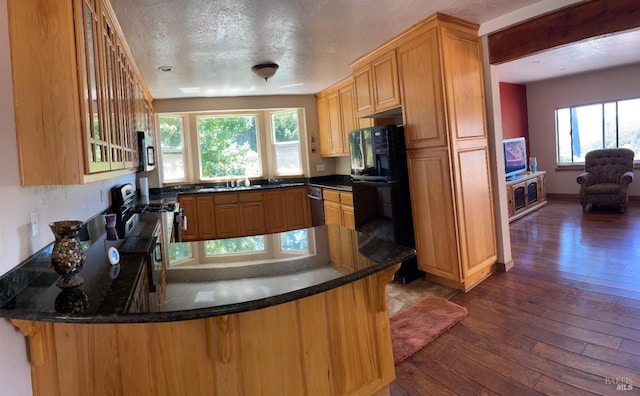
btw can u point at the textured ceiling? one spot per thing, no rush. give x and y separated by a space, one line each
212 44
600 53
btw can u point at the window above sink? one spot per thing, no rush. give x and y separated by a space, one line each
223 146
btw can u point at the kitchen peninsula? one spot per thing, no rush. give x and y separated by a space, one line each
307 317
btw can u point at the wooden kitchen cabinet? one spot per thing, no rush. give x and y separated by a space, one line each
298 209
419 64
227 220
336 132
231 215
227 215
251 213
188 205
331 120
337 117
122 113
286 209
447 150
525 194
338 208
199 210
69 128
376 83
275 211
239 214
206 217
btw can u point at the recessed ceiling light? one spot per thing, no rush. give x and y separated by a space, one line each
165 68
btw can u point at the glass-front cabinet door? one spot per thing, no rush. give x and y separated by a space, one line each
126 101
111 89
89 59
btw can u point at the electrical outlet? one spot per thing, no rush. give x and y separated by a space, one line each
1 244
320 167
35 227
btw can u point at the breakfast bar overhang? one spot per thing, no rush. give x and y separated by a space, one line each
319 327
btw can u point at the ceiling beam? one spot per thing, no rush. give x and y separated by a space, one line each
571 24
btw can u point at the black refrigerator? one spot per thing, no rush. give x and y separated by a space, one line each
382 202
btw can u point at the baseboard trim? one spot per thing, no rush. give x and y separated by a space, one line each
504 267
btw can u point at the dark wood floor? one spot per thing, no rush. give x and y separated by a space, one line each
564 321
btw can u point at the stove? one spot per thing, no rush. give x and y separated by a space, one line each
147 239
154 207
127 208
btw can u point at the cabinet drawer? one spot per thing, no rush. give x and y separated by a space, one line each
346 199
331 195
221 199
255 196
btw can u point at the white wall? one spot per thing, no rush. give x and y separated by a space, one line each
546 96
51 202
343 166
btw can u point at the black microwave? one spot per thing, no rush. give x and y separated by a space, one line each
146 152
373 152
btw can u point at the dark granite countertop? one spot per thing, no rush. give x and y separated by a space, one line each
29 291
284 267
333 186
337 182
204 189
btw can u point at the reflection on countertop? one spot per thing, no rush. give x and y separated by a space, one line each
241 274
200 283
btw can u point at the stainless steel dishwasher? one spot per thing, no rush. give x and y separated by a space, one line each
317 205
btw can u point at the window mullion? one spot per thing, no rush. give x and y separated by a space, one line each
617 127
604 144
571 129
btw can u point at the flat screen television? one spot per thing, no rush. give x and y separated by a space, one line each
515 157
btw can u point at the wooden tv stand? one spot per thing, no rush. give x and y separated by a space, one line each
526 193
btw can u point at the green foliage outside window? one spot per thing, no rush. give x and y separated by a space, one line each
296 240
287 142
172 147
171 132
179 251
228 146
285 127
234 245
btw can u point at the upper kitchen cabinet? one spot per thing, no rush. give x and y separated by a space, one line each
337 117
78 95
375 78
440 68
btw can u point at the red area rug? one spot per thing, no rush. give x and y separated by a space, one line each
415 327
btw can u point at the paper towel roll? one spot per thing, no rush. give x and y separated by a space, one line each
144 186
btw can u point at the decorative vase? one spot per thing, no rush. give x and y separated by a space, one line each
533 164
67 256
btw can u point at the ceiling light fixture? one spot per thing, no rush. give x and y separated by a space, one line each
265 70
165 68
